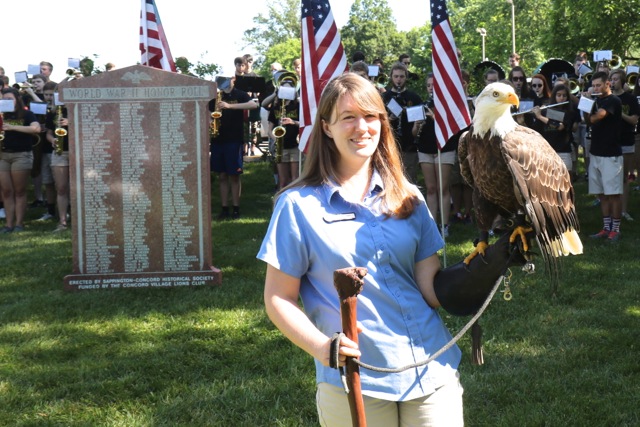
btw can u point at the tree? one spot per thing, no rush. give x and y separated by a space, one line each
281 24
372 30
595 25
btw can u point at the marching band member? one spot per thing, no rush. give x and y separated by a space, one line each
403 97
16 159
56 119
284 125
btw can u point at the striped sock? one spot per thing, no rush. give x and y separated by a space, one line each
615 225
607 223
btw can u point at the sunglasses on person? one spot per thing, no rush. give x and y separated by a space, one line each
406 62
517 79
536 85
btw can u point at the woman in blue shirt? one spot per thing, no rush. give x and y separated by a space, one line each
352 206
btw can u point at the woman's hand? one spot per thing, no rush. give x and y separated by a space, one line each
348 348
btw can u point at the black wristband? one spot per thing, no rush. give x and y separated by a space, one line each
334 351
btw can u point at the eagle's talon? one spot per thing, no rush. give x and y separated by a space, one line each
481 247
522 232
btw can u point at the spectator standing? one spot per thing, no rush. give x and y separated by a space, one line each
630 114
606 164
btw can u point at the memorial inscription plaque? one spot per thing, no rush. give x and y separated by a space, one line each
140 181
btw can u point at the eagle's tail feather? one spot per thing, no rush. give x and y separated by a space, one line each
567 244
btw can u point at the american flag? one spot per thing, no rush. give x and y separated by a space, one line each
450 101
153 43
323 59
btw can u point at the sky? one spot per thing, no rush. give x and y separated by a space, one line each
207 31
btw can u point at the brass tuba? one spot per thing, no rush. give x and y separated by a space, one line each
632 80
615 62
60 132
214 127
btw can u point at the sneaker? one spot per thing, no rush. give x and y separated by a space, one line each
46 217
626 216
3 215
602 234
18 229
5 230
614 236
223 215
59 228
445 231
235 215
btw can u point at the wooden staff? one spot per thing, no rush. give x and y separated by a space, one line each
349 283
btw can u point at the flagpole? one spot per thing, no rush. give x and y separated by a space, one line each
440 196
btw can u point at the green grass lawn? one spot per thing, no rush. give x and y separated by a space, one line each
211 357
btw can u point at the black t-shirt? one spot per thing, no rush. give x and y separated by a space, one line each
232 121
402 127
292 111
630 108
15 141
427 139
605 134
560 140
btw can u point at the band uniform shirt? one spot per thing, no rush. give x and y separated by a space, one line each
630 108
401 126
17 142
314 231
605 134
292 111
232 121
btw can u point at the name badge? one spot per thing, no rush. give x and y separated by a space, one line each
330 218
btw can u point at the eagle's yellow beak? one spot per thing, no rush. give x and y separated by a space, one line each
512 99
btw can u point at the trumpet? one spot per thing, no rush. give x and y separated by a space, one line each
60 132
214 127
279 132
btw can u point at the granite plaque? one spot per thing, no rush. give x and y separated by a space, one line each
140 181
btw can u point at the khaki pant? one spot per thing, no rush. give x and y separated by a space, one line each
441 408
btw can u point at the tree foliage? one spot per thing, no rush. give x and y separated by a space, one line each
371 30
545 29
281 24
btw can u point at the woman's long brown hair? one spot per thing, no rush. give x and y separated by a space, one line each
398 197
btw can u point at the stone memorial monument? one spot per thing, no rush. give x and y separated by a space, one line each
140 181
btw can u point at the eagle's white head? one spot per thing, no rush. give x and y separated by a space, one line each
493 110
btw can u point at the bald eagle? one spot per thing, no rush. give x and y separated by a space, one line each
516 174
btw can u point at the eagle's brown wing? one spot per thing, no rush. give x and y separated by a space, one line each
462 158
543 187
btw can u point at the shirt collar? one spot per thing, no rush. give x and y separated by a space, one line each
376 185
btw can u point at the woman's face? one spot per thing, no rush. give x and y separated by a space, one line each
537 86
430 86
355 133
561 96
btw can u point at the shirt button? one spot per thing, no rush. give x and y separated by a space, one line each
382 248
